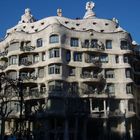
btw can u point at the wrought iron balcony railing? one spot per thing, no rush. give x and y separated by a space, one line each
4 53
26 62
27 48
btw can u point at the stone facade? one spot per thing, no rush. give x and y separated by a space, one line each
77 75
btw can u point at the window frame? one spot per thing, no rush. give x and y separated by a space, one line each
74 42
108 44
39 42
54 38
77 57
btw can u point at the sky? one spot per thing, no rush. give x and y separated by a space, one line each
126 11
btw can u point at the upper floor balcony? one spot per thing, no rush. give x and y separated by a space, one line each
93 44
25 62
3 53
91 77
95 62
27 48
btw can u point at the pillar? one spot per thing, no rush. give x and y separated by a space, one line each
105 112
90 103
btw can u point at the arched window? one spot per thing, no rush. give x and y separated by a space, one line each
54 39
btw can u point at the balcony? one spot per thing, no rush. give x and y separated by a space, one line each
25 62
27 48
34 93
96 62
28 77
91 76
98 45
4 53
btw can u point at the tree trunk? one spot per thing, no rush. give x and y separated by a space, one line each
2 128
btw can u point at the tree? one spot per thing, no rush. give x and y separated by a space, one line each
7 97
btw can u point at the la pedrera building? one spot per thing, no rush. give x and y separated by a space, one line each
77 77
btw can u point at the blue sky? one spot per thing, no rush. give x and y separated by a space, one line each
126 11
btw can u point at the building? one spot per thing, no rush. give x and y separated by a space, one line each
76 73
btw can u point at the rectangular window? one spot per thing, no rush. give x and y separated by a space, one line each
86 44
54 69
128 73
54 53
110 88
74 42
108 44
77 56
68 56
13 60
36 58
129 89
41 72
104 58
117 59
39 42
126 59
94 43
109 74
124 45
43 56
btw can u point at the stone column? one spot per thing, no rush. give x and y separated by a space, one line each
131 131
105 112
90 102
72 58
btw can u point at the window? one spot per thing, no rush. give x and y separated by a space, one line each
110 88
13 60
71 71
43 56
36 58
124 45
39 42
86 44
129 88
74 42
109 73
125 59
117 59
73 87
40 72
94 43
128 73
77 56
68 56
104 58
53 53
55 86
54 39
108 44
54 69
